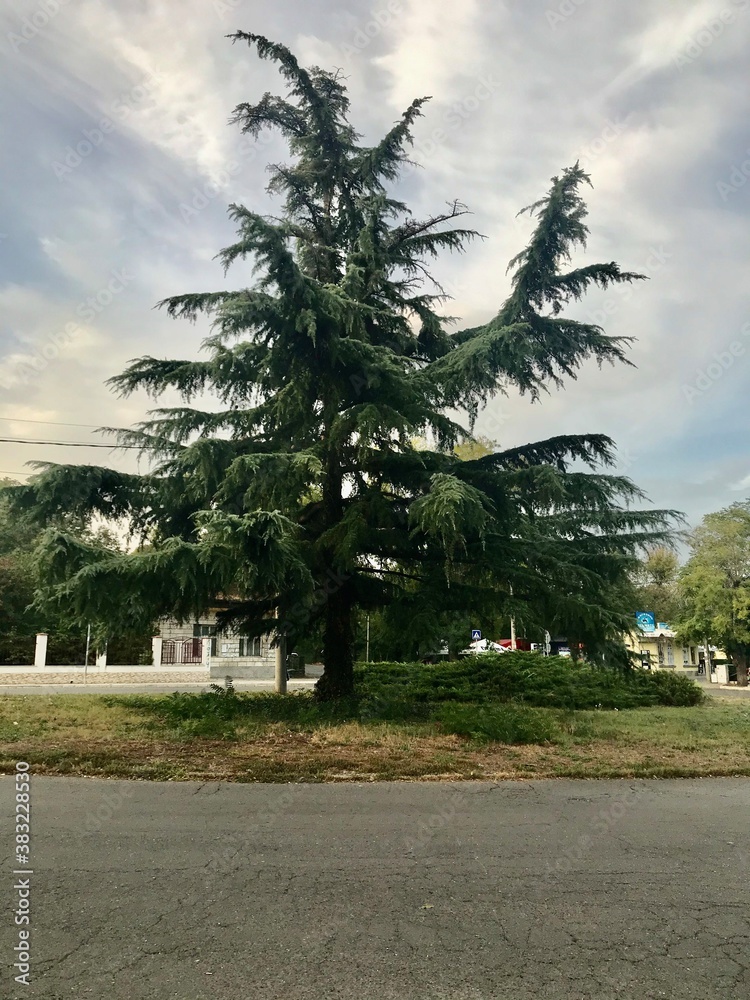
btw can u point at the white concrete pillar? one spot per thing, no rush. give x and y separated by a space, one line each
156 644
40 650
101 659
206 651
722 673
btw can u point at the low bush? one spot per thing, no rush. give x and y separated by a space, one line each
544 681
498 723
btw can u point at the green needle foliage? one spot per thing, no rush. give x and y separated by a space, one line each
302 497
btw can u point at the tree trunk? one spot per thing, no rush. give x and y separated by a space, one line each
741 662
338 662
338 674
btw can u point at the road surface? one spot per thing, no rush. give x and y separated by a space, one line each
406 891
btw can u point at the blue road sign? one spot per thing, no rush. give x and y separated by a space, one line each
476 634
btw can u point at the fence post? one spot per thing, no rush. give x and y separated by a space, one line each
280 671
156 646
40 650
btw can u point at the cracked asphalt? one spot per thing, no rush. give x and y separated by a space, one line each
468 891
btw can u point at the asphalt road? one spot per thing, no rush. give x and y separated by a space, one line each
466 891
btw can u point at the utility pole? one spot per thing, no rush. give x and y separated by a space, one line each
86 658
512 624
367 644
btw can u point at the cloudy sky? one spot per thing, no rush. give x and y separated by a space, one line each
118 165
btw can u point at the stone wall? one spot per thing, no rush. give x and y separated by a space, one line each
246 668
119 676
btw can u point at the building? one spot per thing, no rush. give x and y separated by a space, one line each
201 642
658 649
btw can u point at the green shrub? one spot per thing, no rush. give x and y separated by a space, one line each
498 723
544 681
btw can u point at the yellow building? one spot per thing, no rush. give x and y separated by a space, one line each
658 649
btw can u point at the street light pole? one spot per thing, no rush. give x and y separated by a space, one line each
367 644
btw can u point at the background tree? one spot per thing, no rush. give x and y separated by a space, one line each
714 585
655 584
23 610
302 500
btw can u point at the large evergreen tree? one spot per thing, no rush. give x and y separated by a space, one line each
304 498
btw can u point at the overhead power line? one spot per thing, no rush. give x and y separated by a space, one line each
69 444
54 423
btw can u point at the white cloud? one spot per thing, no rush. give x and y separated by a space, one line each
556 95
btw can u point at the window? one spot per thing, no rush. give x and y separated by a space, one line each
686 656
201 631
670 655
250 646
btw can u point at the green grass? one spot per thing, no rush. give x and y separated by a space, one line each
493 718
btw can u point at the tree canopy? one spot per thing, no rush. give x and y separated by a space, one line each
24 612
655 583
714 585
299 495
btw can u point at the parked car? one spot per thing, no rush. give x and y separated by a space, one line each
480 646
436 655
